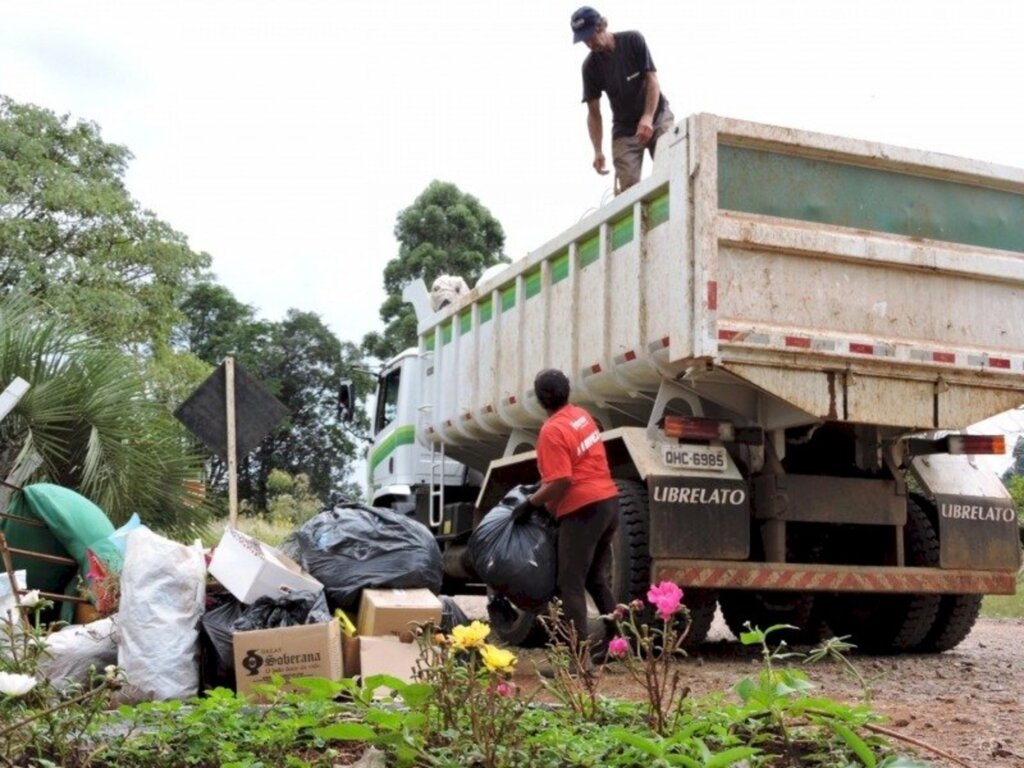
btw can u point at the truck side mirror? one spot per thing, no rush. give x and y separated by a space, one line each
346 400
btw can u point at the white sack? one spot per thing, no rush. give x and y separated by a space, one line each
163 592
74 651
445 290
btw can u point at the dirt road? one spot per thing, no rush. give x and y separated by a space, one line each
968 702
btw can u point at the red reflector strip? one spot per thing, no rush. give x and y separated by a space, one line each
943 357
595 368
467 416
712 294
631 355
802 342
728 335
974 444
862 349
489 409
512 400
999 362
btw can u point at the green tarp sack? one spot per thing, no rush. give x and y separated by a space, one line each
73 525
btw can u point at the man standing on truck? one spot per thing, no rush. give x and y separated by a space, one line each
620 64
577 487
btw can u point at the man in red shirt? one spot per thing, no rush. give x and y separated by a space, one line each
577 488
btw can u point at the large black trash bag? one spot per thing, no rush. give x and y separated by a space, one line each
217 647
518 560
451 614
354 547
291 610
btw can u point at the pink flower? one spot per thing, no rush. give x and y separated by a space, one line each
665 597
505 689
618 647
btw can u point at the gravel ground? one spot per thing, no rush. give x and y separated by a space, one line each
967 702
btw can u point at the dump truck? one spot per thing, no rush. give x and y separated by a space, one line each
783 336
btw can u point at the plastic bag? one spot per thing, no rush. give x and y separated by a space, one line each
451 614
163 593
75 653
353 547
217 645
518 560
294 610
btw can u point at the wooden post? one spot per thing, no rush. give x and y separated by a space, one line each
229 402
5 556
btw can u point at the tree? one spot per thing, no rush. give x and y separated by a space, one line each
444 231
302 363
72 237
1016 469
88 416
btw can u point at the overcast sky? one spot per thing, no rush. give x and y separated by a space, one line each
283 137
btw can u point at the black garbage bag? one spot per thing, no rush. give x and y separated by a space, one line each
292 610
217 648
354 547
518 560
451 614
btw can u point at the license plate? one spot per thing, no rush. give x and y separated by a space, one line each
705 457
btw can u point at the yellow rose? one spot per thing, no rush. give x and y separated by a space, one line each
497 659
464 637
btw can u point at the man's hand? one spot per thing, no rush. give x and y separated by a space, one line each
644 129
523 510
599 164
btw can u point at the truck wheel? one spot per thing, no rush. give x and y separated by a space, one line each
956 617
764 609
514 626
892 623
631 559
631 566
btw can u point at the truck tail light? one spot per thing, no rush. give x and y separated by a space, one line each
977 444
958 444
692 428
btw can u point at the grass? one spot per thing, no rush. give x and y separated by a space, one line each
1005 606
269 531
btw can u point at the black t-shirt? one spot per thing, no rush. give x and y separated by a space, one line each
622 75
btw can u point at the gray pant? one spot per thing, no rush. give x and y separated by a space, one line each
585 560
628 152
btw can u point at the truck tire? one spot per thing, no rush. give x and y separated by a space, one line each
892 623
631 566
956 617
764 609
957 613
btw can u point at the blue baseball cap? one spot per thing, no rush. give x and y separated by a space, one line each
584 23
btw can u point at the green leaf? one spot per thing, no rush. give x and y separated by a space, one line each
346 732
417 694
651 747
389 720
754 637
855 743
317 687
730 757
373 682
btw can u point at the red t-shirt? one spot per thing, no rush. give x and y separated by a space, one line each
570 446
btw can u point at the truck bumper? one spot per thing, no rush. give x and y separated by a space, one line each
831 578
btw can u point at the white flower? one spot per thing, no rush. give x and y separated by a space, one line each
13 684
31 598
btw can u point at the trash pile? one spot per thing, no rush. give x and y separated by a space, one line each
339 599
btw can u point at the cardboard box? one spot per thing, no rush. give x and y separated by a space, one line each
350 652
388 655
312 650
390 611
249 569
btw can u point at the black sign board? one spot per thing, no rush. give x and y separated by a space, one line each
257 412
